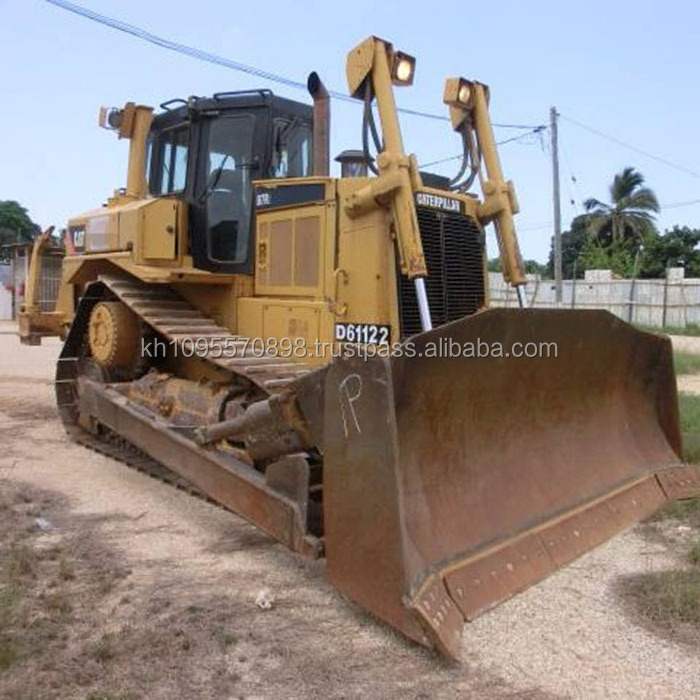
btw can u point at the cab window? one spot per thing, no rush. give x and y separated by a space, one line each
291 155
228 189
172 160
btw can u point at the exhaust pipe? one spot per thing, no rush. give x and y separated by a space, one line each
322 120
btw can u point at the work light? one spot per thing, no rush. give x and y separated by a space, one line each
458 92
403 68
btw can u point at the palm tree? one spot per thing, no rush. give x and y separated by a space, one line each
630 214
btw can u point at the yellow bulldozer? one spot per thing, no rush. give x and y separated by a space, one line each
300 348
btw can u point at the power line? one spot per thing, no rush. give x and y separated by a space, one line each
533 130
574 197
675 205
201 55
659 159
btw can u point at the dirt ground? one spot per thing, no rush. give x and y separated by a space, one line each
118 586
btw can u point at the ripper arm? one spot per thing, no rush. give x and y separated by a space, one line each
468 101
372 69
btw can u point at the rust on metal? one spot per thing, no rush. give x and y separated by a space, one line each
453 483
231 482
322 119
158 413
479 583
448 484
180 401
680 483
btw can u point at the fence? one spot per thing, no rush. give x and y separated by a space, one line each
49 279
674 301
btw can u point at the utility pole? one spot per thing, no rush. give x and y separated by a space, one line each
557 205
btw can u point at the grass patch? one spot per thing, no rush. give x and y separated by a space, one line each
694 554
668 602
689 405
22 562
9 595
8 653
686 362
667 598
9 599
105 649
688 511
58 603
691 447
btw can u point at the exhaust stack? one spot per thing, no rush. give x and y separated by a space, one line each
322 120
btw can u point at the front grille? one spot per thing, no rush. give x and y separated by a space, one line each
453 247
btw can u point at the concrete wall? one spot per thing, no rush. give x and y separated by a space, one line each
5 292
5 304
674 301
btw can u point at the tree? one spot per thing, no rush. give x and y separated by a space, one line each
621 259
572 244
676 248
531 267
15 224
630 215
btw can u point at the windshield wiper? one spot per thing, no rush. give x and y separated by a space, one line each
213 181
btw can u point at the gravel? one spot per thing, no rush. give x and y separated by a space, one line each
567 637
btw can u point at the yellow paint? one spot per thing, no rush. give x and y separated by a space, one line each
315 263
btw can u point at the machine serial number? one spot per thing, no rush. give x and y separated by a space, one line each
367 333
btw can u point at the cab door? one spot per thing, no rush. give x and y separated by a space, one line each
168 180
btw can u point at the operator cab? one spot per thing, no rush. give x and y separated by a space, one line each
209 151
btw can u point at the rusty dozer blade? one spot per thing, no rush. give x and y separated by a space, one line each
452 483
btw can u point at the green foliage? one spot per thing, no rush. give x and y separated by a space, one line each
618 256
629 215
648 258
675 248
621 236
15 224
572 243
617 232
531 267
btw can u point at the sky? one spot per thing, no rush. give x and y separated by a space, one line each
628 70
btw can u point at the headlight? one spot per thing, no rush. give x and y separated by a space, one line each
458 93
464 94
403 68
111 117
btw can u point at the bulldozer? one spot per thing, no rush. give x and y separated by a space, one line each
242 324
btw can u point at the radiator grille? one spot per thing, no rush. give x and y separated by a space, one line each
453 247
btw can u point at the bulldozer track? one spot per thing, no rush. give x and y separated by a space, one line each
167 313
176 320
